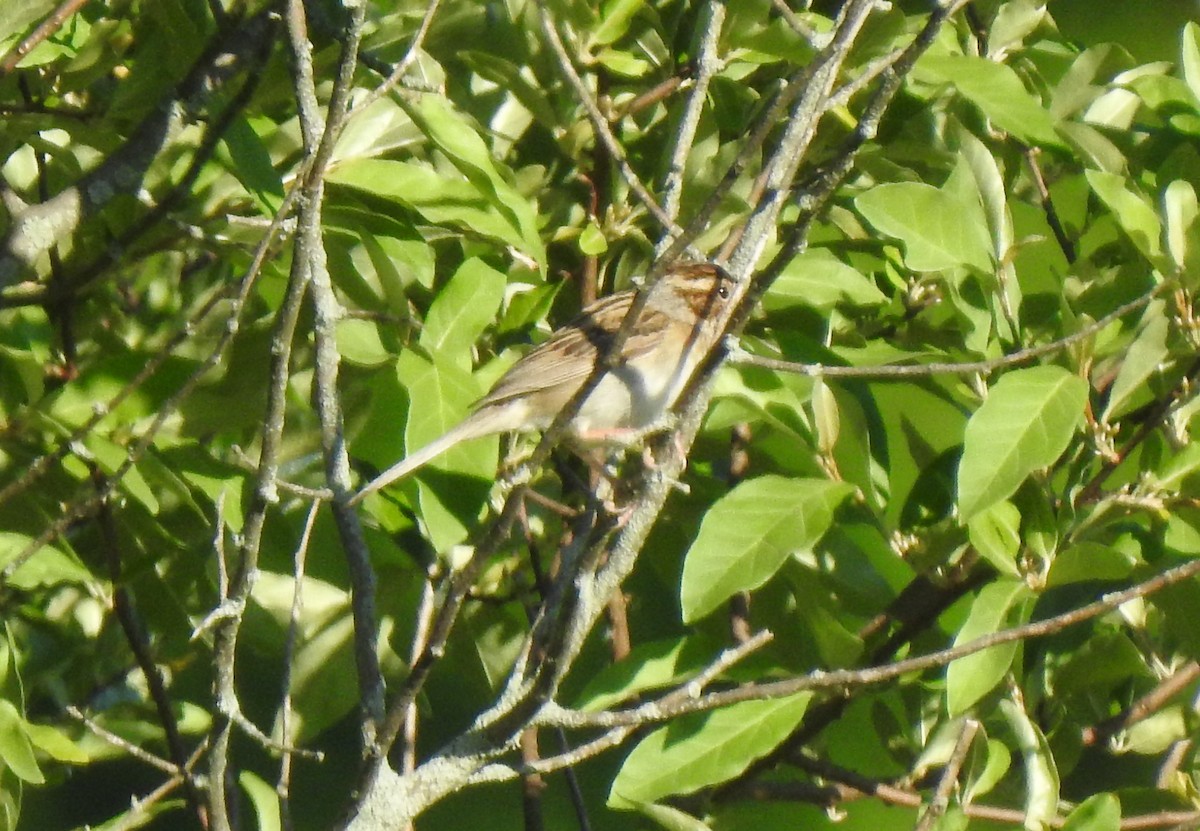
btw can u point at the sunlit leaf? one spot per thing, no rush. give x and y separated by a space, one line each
1132 211
1041 772
704 749
1025 424
16 751
930 224
464 307
998 605
746 536
49 566
452 488
263 799
998 91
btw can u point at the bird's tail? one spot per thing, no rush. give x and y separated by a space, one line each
478 424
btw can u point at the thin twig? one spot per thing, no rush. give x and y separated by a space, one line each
284 785
707 64
45 29
1022 356
134 818
850 785
1148 704
420 640
949 778
845 679
311 256
398 72
600 125
686 690
794 20
124 744
139 644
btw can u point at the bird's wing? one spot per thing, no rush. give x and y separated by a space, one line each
567 358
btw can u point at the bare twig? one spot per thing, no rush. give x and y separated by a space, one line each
1052 219
794 20
601 128
398 71
135 818
849 786
1148 704
707 64
44 30
844 679
1022 356
420 640
139 645
949 778
124 744
688 690
311 259
284 786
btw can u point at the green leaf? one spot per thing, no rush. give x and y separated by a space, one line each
16 750
623 63
358 342
17 16
250 162
1025 424
466 306
1180 208
819 280
997 761
671 819
441 198
55 743
615 18
451 489
110 456
1190 57
996 535
1041 773
749 533
997 90
1143 359
989 183
1133 212
705 748
1154 734
48 567
648 666
999 605
264 800
1086 561
456 136
1177 468
1014 21
930 224
1100 812
591 240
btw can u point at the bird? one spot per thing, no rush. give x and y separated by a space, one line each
681 320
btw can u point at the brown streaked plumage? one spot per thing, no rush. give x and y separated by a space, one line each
678 325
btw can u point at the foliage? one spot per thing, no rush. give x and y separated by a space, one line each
937 530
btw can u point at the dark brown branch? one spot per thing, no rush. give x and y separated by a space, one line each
139 645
